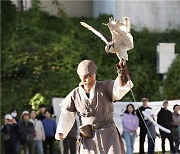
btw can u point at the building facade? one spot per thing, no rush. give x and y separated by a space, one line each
155 15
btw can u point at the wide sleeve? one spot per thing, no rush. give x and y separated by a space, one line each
68 102
120 91
67 117
66 121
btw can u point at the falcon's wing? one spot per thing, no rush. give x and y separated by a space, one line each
122 37
120 33
94 31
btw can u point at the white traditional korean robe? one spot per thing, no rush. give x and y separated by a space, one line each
97 108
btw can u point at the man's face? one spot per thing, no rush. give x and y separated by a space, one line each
42 109
165 105
144 101
88 81
47 114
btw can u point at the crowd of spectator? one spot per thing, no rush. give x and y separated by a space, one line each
165 119
33 132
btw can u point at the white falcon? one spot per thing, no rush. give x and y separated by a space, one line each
122 40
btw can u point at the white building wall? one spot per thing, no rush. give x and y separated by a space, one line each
76 8
156 15
103 6
73 8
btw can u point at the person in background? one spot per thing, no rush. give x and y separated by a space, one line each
151 133
69 143
9 130
41 111
164 118
176 126
27 133
14 114
93 102
143 129
49 125
39 133
130 123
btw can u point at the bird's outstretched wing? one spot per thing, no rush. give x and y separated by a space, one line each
120 33
94 31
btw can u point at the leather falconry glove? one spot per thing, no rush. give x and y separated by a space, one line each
122 70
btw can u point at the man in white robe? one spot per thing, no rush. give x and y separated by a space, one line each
93 102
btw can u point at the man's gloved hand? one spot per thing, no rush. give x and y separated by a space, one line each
122 70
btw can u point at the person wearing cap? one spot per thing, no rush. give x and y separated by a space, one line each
9 130
164 118
93 101
14 114
27 132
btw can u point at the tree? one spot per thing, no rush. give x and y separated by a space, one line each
172 82
40 54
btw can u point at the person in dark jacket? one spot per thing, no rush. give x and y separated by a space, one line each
27 132
143 129
41 114
9 130
14 114
49 125
164 118
69 143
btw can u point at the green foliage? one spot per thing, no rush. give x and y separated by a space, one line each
40 54
172 82
37 100
8 12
